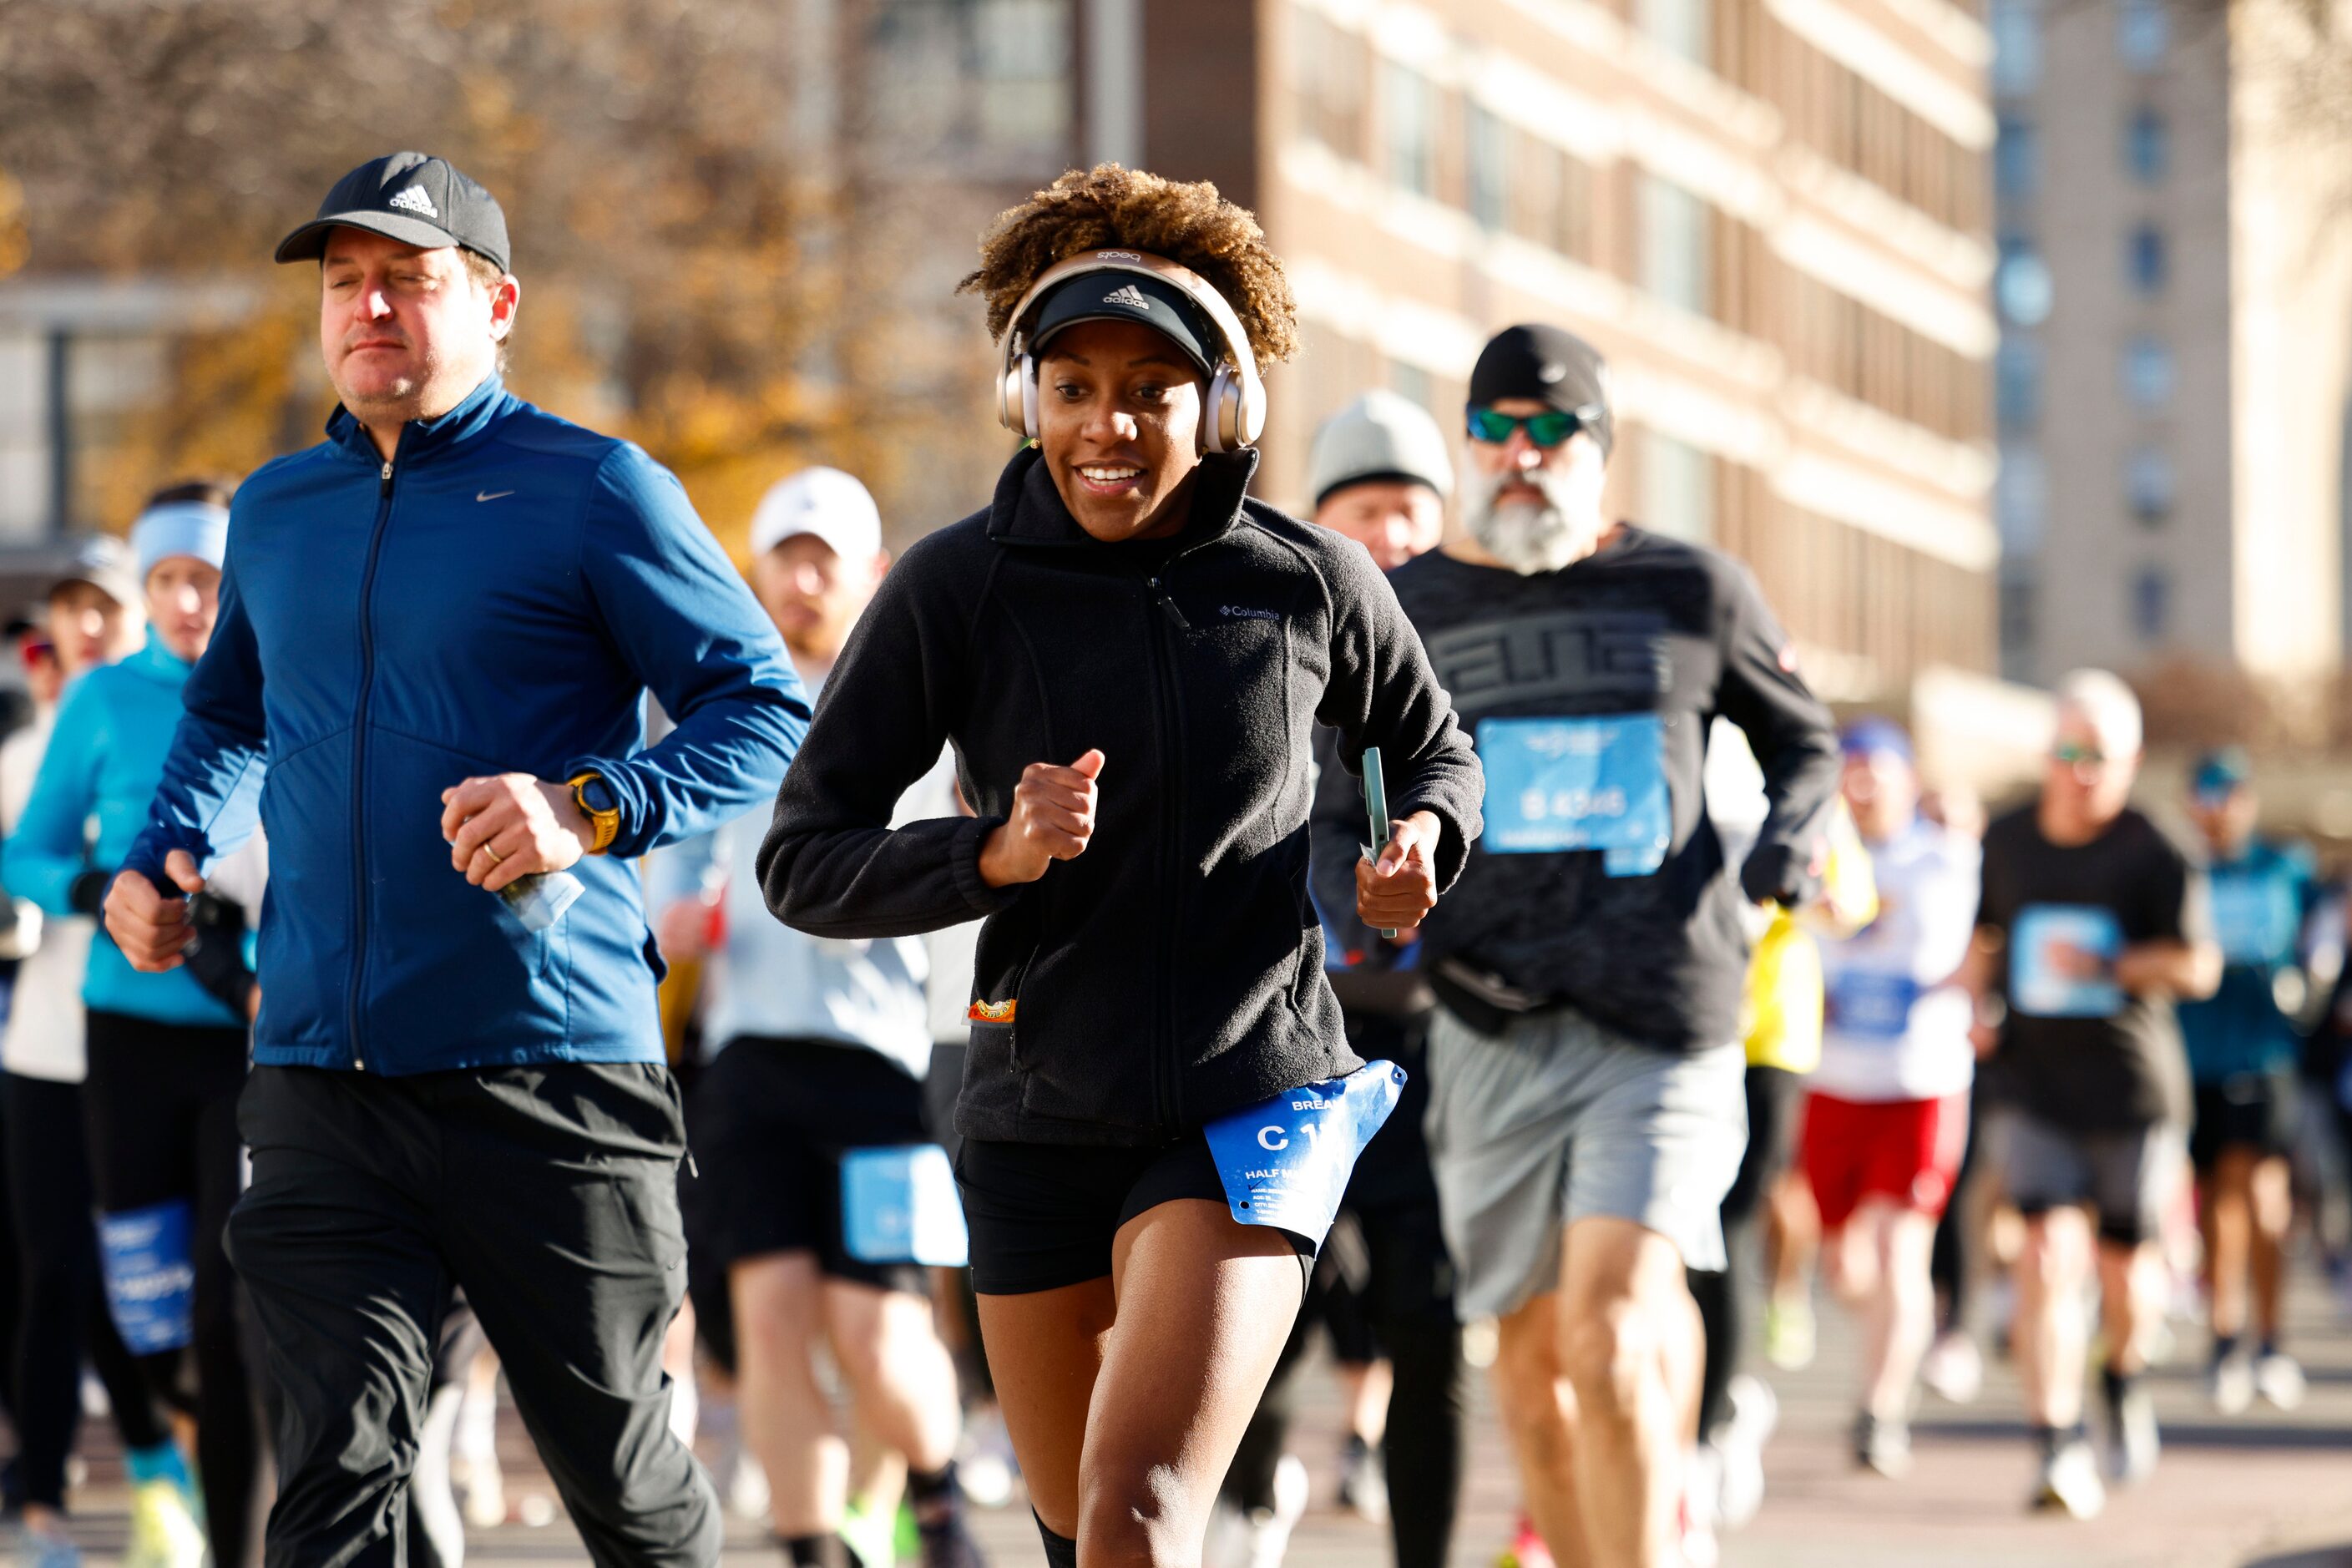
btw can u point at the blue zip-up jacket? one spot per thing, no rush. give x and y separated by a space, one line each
104 758
498 598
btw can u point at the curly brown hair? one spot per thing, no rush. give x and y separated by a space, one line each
1108 207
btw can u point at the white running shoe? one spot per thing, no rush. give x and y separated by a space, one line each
985 1463
2279 1380
2133 1441
2069 1482
1953 1369
1269 1529
163 1533
1755 1411
2229 1384
1788 1333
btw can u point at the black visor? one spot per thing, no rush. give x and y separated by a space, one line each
1130 297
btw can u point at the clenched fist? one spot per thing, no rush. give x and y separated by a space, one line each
1053 817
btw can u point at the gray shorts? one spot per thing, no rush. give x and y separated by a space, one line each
1558 1119
2129 1176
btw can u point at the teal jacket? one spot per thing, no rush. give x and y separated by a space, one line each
104 760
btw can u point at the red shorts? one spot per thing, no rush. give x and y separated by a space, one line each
1907 1149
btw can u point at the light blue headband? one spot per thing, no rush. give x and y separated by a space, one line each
180 528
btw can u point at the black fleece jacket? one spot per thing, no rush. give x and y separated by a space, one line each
1174 971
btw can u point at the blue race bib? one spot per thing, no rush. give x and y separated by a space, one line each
898 1204
2254 917
1864 1005
1285 1161
151 1280
1556 785
2038 990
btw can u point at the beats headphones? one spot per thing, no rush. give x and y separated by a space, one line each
1236 410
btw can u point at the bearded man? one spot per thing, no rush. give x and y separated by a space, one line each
1588 1113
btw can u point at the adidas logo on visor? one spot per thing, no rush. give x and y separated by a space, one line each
1131 296
415 200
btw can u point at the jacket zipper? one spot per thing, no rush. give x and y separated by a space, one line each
359 769
1168 1079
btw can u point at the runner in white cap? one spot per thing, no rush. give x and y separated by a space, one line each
816 1051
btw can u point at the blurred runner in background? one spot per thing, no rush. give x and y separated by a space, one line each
1588 1113
813 1048
97 614
166 1052
2091 921
2243 1052
1887 1114
1383 1289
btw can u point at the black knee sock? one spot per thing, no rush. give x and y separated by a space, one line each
1061 1552
803 1551
937 1498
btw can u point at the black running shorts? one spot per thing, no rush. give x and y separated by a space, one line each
770 1120
1044 1216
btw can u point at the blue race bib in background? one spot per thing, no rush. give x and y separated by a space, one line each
1864 1005
1555 784
151 1280
2038 990
2254 917
1285 1161
898 1204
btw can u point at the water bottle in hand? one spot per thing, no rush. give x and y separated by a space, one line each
539 900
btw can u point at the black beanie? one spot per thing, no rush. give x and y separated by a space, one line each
1553 366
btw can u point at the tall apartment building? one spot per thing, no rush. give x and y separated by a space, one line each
2176 364
1770 215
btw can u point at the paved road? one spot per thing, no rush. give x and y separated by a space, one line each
2264 1491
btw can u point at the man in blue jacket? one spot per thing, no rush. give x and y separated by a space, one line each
437 631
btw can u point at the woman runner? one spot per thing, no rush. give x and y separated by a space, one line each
1129 657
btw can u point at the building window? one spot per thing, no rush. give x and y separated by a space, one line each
1673 245
2147 263
1333 66
1679 27
2147 373
1677 489
2020 500
2017 383
2017 619
1488 144
2017 161
2021 287
2143 33
2149 485
987 76
1410 110
2151 603
2016 46
2148 145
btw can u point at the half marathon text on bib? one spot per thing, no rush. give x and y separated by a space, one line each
1285 1161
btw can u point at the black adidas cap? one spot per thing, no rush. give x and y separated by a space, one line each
409 198
1130 297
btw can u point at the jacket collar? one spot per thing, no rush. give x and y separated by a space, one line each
153 657
421 440
1028 509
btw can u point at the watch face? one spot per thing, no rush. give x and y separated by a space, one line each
597 797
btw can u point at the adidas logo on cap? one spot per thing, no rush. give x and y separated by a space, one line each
415 200
1131 296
